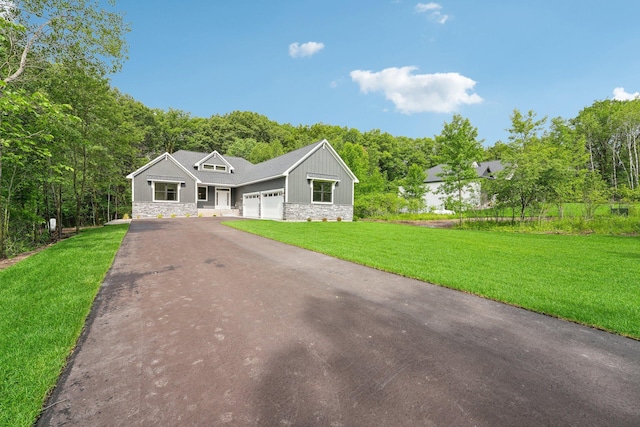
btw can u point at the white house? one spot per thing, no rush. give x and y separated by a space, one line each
436 201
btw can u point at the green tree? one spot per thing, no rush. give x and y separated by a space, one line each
518 186
60 31
458 150
25 139
414 188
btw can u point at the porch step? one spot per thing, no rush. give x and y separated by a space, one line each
218 212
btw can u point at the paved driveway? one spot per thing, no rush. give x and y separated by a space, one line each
200 324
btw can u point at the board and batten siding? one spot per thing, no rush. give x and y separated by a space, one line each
322 161
142 188
273 184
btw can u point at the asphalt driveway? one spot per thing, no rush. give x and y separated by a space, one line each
201 324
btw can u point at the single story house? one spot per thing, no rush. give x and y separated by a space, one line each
435 200
310 182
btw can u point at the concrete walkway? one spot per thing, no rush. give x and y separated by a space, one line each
200 324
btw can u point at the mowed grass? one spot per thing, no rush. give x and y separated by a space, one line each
44 301
591 279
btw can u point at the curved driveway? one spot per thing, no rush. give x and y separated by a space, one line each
201 324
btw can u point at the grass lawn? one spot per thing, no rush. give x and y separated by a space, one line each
591 279
44 301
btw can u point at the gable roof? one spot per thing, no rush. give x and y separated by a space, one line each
244 172
165 156
483 169
212 155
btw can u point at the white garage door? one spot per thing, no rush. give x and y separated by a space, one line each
272 204
251 205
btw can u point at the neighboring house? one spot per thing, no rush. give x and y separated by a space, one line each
436 201
311 182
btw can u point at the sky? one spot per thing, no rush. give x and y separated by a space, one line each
403 67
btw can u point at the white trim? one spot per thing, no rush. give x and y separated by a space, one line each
153 192
324 144
253 195
333 191
206 193
214 153
268 194
165 156
214 167
222 190
286 189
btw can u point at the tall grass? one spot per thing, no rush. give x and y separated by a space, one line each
44 301
590 279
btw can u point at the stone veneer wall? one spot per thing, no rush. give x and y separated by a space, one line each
151 209
300 212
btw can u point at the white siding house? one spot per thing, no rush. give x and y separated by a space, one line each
435 200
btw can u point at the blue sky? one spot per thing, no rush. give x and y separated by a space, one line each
404 67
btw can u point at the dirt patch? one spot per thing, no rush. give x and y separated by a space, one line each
436 223
8 262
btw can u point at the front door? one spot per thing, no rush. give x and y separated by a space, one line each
223 198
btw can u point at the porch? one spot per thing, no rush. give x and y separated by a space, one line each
218 212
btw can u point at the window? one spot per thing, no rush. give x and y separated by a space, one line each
218 168
323 192
202 194
165 191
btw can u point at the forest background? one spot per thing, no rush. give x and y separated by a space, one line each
68 138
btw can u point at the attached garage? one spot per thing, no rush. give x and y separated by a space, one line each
251 205
272 204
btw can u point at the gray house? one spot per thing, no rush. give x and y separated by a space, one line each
311 182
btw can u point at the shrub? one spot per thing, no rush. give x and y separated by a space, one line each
339 219
324 219
309 219
159 215
125 216
173 215
377 204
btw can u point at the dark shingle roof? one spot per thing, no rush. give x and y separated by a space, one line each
484 170
243 171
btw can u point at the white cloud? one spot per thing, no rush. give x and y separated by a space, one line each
619 94
417 93
433 11
297 50
425 7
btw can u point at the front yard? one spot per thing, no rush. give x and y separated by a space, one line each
44 301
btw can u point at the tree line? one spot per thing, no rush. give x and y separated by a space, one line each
68 138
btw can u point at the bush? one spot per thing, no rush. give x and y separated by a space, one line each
377 205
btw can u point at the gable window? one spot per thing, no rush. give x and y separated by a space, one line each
165 191
217 168
323 191
202 194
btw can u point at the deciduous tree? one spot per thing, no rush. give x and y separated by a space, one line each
458 149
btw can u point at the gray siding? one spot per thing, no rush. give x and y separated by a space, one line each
142 188
321 162
261 186
211 198
236 196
